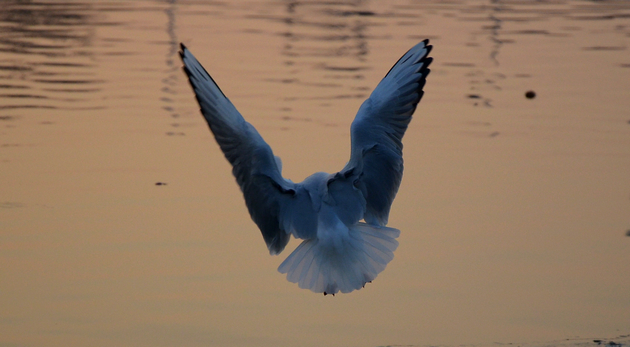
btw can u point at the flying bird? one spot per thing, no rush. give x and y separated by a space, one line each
341 217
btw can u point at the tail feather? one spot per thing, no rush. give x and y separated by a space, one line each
297 261
322 268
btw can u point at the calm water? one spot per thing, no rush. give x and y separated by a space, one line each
513 211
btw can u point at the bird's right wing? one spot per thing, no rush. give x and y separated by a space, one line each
378 129
255 167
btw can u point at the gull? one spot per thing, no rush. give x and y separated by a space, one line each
341 217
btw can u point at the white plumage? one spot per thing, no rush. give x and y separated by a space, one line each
339 253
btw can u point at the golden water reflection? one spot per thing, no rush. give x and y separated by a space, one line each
513 211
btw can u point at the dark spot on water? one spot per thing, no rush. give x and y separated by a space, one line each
12 107
11 204
173 133
473 96
494 134
603 17
343 68
160 183
628 232
604 48
53 81
532 32
351 13
15 68
530 94
8 86
23 96
282 80
289 118
459 64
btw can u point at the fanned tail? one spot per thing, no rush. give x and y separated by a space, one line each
324 268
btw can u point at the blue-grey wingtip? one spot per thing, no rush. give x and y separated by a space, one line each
183 49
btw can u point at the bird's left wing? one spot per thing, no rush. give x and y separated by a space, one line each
267 194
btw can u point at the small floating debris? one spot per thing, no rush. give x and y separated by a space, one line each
473 96
530 94
628 233
160 183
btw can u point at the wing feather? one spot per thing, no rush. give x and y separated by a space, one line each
267 194
379 127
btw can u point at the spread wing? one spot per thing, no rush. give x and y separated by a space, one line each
270 199
378 129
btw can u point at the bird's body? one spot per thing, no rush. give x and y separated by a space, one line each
339 252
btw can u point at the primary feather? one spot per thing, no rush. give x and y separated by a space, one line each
339 253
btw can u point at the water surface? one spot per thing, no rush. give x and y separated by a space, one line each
513 211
